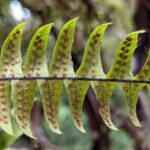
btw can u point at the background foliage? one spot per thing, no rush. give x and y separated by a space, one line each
127 16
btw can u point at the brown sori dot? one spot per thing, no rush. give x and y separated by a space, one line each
15 35
145 71
38 37
97 34
93 74
5 121
118 62
64 68
125 42
121 55
121 76
19 91
95 41
1 87
54 74
24 116
26 88
78 122
125 87
91 44
17 32
64 46
53 120
11 45
94 49
129 39
40 41
82 75
20 116
6 62
79 83
89 52
127 51
2 83
37 74
34 51
23 124
62 53
20 98
19 106
39 61
36 43
125 57
87 59
11 70
4 109
63 74
93 63
116 69
25 101
122 48
129 44
37 68
2 74
44 83
56 66
13 63
148 62
12 74
26 97
122 71
39 47
124 63
3 101
65 38
5 117
38 54
5 69
55 126
7 54
141 76
65 30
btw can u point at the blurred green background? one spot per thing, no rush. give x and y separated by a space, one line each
126 16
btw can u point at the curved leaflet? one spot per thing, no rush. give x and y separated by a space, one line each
24 91
10 60
132 91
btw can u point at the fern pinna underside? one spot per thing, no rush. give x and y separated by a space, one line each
17 96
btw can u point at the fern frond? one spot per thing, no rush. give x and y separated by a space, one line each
22 92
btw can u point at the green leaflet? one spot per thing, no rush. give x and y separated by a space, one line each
120 69
35 64
10 60
90 67
24 91
132 91
61 66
